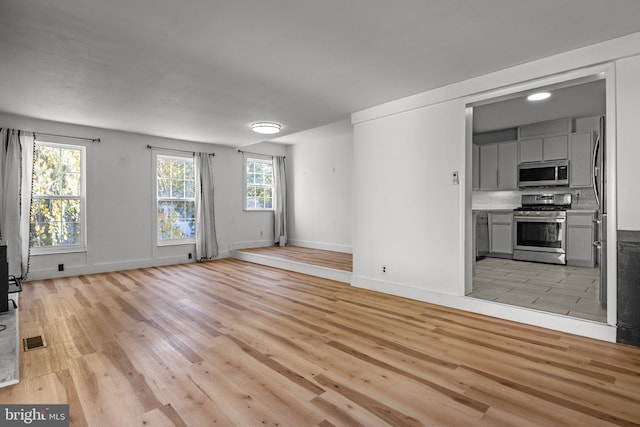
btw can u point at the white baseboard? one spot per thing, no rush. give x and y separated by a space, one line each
250 244
335 247
107 267
298 267
552 321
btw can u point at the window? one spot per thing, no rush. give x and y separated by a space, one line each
176 192
58 204
259 182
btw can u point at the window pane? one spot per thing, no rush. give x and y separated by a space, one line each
70 160
47 233
190 189
70 184
49 170
71 210
164 188
190 210
166 218
70 233
177 189
177 169
189 172
164 168
55 210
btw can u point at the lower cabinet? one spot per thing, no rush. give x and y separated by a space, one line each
501 233
580 238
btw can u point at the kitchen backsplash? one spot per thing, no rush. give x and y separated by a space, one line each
582 198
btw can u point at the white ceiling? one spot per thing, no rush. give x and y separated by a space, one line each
203 70
571 100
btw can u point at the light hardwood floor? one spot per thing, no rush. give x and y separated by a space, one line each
323 258
231 343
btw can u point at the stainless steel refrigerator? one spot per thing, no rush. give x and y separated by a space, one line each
600 190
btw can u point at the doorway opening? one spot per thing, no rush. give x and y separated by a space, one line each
538 199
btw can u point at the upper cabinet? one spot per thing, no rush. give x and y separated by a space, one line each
548 148
489 167
498 166
531 150
545 141
580 159
495 164
475 167
508 165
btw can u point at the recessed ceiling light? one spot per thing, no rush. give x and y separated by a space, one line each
539 96
266 127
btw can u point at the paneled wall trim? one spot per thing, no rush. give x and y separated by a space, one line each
628 287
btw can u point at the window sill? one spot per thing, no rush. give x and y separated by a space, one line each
56 251
258 210
175 242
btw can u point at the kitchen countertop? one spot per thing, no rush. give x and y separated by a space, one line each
504 210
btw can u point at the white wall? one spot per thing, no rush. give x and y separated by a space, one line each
404 199
628 137
408 216
120 218
320 198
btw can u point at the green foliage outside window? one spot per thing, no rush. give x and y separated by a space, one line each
259 175
57 196
176 198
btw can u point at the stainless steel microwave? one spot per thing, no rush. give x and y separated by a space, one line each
543 174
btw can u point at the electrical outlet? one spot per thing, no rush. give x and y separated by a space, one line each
384 268
189 255
60 267
261 233
455 180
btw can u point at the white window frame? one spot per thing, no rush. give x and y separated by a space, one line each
245 184
82 246
175 156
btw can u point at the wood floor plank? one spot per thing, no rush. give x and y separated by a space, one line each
236 344
324 258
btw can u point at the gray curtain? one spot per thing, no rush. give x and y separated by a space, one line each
16 170
280 201
206 243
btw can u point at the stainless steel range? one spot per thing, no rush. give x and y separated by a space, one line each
540 228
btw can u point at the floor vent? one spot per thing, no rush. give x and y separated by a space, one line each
34 343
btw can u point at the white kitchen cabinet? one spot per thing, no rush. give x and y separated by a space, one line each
546 148
501 233
489 167
580 237
508 165
531 150
555 147
499 166
580 161
475 167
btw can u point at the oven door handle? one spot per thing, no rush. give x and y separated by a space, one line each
538 219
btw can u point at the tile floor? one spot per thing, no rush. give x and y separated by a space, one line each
572 291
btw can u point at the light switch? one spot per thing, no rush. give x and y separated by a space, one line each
454 178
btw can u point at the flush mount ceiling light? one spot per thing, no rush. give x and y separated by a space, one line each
539 96
266 127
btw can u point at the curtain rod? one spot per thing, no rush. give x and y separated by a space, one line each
175 149
253 152
35 135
